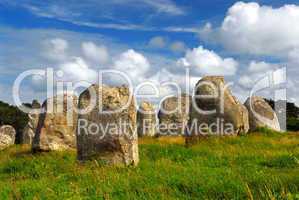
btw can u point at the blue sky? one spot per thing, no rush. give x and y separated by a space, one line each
149 20
152 38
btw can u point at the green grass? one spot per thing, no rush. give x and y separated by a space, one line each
261 165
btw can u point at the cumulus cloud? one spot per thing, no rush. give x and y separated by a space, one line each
157 42
160 42
178 47
77 69
256 29
98 54
170 83
55 49
261 31
293 56
75 64
246 81
133 63
256 70
206 62
256 67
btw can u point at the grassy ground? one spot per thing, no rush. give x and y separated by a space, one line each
257 166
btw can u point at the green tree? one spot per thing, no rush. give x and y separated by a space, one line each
12 115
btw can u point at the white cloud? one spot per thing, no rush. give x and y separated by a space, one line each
181 29
132 63
256 71
207 62
165 6
294 56
15 59
77 69
157 42
98 54
114 26
246 81
178 46
75 64
255 29
256 67
55 49
177 82
160 42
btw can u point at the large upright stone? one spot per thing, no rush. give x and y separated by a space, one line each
261 114
7 136
146 119
174 115
31 127
108 132
57 125
215 110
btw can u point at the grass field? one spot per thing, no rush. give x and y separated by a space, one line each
261 165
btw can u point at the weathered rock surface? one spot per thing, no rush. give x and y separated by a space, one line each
57 126
7 136
30 129
111 136
261 114
146 120
174 115
230 117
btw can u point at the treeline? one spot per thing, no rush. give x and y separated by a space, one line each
11 115
292 112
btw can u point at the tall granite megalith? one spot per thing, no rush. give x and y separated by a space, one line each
174 115
107 132
146 119
57 125
31 127
7 136
261 114
215 111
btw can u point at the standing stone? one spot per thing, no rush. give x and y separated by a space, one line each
174 115
108 133
230 117
146 118
7 136
31 127
261 114
57 125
